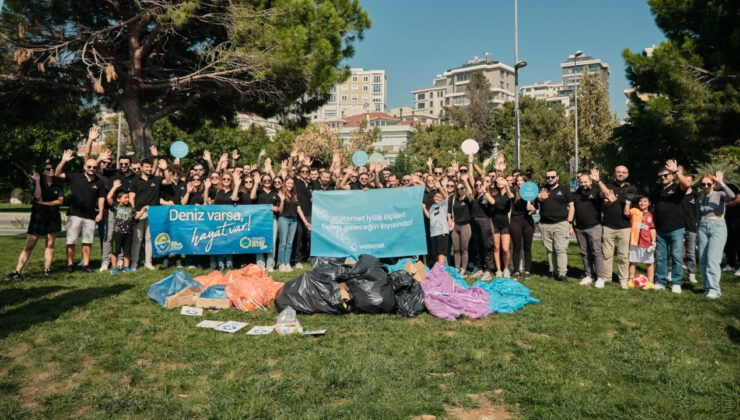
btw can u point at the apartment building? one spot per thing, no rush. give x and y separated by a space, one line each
541 90
364 91
573 68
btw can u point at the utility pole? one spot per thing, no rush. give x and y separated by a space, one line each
517 65
575 95
118 143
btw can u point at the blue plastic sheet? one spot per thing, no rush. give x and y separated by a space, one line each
456 276
402 263
507 295
168 286
217 291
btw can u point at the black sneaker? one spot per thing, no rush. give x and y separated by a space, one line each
47 272
562 279
86 269
527 274
70 269
515 275
15 275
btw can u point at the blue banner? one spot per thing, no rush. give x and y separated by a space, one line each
199 230
384 223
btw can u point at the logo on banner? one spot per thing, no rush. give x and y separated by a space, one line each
248 243
163 244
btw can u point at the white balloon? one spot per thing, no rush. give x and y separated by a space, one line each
470 147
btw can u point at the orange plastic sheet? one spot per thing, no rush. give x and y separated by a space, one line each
250 289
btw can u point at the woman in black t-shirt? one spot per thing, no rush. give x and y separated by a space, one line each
226 193
459 209
194 194
263 193
290 210
45 218
480 212
500 215
521 229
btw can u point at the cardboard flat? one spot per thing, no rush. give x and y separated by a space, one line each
231 327
212 303
209 324
184 297
191 311
261 330
417 271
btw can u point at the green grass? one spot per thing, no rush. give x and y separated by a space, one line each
94 346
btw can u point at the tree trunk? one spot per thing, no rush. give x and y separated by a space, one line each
140 128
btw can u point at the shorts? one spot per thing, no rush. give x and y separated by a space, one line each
502 230
44 222
439 245
121 242
78 226
639 254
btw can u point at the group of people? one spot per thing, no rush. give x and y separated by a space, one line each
475 216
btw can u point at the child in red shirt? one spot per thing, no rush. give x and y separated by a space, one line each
642 238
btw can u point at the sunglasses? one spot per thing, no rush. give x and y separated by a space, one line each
226 179
461 188
48 169
89 167
267 181
450 185
215 177
664 175
135 169
198 169
706 184
463 171
304 172
278 182
551 177
437 173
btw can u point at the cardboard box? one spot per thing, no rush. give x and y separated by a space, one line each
212 303
184 297
417 271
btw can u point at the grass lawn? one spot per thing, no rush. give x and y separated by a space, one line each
94 346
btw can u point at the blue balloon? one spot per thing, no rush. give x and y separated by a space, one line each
359 158
179 149
528 191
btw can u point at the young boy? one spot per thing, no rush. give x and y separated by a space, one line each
642 238
439 228
123 227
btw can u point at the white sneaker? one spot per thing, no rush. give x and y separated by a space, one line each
270 270
165 263
599 284
658 286
676 288
485 277
737 273
133 266
692 278
712 295
298 266
498 274
478 274
728 268
586 281
191 267
462 272
149 266
104 266
668 277
624 285
507 273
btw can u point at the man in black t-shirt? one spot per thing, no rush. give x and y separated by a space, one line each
670 224
556 217
145 192
616 233
587 229
85 208
302 240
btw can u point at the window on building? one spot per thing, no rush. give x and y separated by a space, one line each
376 88
440 94
355 88
376 100
420 105
593 67
333 98
377 108
365 88
364 78
364 97
330 115
333 89
462 77
420 97
502 84
377 79
344 97
441 104
354 97
354 78
344 88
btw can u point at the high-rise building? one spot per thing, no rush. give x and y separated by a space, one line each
363 91
573 68
541 90
448 89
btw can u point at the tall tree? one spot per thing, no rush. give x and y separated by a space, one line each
689 87
479 109
152 58
596 122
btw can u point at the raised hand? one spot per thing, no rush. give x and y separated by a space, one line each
105 155
268 165
595 175
68 155
237 179
235 155
191 188
610 196
284 164
486 162
307 161
293 153
257 179
264 152
336 158
35 176
207 155
207 183
500 164
671 165
454 165
543 195
430 161
117 183
93 133
719 177
162 164
224 158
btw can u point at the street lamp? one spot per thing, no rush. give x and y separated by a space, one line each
517 66
575 95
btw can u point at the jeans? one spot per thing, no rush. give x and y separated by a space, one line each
674 239
555 239
222 260
712 237
286 232
267 260
589 240
690 247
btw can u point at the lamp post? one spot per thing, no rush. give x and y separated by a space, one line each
575 95
517 66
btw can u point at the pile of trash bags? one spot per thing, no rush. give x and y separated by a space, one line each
340 286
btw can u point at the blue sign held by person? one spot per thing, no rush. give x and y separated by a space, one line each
179 149
528 191
383 223
210 230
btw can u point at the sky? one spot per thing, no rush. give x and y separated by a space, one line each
414 40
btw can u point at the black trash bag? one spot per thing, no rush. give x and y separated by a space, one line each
330 266
311 293
409 294
369 286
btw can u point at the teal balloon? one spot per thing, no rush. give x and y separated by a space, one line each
179 149
359 158
377 158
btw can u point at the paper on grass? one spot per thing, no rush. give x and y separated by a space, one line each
209 324
191 311
231 326
261 330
